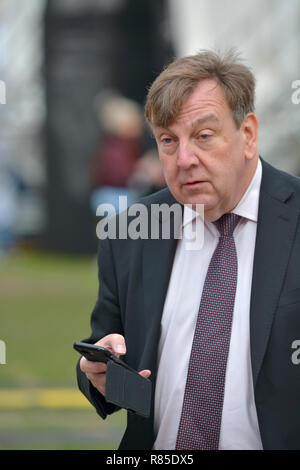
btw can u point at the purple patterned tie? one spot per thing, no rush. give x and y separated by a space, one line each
201 414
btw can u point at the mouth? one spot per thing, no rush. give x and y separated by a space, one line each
193 184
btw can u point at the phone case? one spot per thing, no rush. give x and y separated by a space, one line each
128 389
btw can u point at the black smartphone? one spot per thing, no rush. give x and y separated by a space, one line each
95 353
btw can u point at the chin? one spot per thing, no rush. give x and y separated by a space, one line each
200 199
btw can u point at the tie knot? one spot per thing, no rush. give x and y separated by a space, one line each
227 223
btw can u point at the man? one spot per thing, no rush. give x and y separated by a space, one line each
223 373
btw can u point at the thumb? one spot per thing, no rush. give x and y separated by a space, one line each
115 343
145 373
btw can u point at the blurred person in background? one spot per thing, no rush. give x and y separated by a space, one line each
120 148
148 176
216 329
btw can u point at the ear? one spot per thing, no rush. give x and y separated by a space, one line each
249 128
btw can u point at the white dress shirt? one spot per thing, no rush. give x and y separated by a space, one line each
239 426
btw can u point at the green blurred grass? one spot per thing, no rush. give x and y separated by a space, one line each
45 304
58 430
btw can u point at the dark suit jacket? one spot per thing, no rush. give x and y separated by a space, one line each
134 276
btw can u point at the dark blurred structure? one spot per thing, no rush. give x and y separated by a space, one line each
90 45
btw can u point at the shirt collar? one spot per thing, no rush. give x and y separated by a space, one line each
247 207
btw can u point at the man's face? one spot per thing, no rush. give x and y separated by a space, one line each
205 158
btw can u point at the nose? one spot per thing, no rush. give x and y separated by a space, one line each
186 156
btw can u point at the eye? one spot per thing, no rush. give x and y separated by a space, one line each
167 140
204 136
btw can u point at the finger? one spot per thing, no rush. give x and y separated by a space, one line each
92 367
115 343
145 373
98 381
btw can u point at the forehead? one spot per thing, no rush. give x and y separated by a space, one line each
208 96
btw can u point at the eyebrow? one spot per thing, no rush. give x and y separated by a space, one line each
198 122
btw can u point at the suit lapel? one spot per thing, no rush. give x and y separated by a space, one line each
158 257
275 231
157 265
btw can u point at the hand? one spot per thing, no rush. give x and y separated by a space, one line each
96 371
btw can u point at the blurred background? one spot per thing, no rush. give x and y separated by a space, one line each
73 80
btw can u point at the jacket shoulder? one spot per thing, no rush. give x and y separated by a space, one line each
280 184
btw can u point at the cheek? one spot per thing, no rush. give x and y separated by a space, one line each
222 178
169 168
229 177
